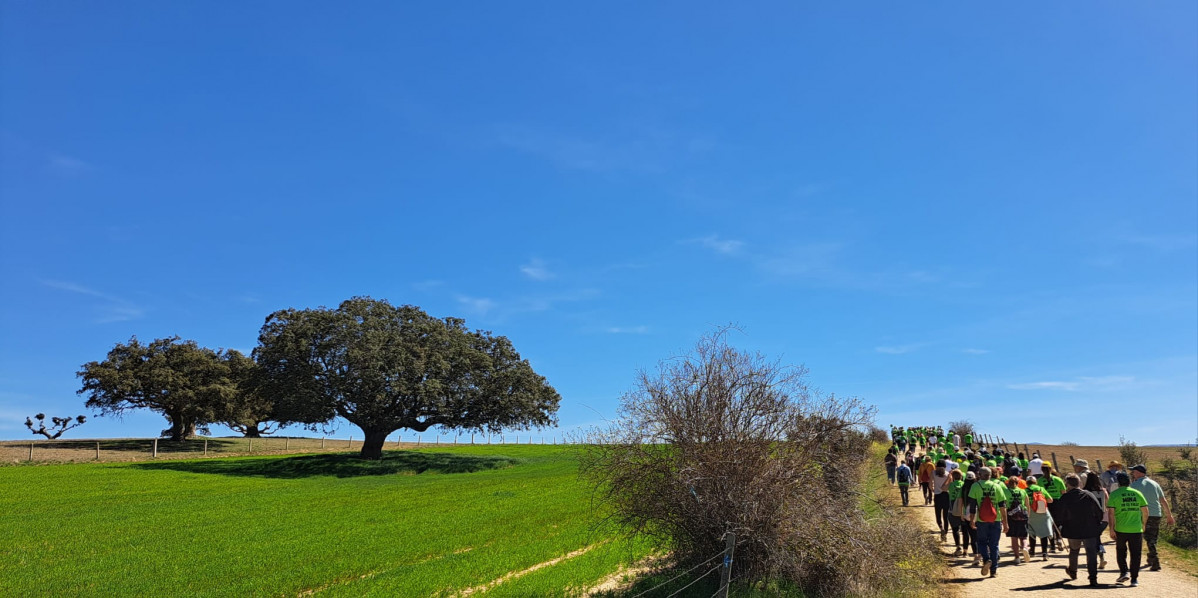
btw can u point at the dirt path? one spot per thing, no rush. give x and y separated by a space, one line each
1047 578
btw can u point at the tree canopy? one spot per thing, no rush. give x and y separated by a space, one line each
186 383
385 368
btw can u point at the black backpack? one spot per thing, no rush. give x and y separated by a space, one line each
904 475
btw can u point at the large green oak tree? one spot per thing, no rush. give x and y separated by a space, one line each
385 368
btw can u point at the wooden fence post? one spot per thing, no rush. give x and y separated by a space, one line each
322 442
287 443
31 451
351 442
205 447
726 565
97 450
155 448
1055 466
472 438
418 440
251 449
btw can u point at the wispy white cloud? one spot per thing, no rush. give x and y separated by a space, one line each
898 350
1081 383
975 351
113 308
536 269
479 306
628 330
809 260
67 166
718 245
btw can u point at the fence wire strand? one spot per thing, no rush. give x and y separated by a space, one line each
675 578
696 580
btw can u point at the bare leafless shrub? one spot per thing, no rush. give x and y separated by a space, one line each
721 440
964 427
877 434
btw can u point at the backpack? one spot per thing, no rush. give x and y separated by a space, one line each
958 507
904 475
1039 505
1017 512
986 511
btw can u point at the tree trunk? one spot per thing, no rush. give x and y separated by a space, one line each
178 429
252 431
372 447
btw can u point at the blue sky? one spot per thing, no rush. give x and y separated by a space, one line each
950 210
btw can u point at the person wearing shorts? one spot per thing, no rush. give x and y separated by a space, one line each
1017 515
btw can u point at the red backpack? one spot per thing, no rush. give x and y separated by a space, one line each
986 511
1039 505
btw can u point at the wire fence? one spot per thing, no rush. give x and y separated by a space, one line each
725 566
140 449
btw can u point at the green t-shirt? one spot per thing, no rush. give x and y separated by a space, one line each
954 490
1023 465
992 489
1019 494
969 439
1127 503
1054 487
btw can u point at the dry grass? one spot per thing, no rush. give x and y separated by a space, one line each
141 449
1104 453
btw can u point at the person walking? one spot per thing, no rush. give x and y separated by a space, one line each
1033 466
1129 511
990 519
1158 505
1055 487
925 479
1082 468
903 476
891 461
1017 516
956 511
1039 519
1081 524
1108 477
940 502
1094 486
969 508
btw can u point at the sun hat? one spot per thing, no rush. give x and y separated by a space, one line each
1114 464
1081 463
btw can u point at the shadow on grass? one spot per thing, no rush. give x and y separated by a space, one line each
339 465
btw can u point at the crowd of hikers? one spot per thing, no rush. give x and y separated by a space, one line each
981 493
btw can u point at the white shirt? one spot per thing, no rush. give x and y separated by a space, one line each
1034 466
956 440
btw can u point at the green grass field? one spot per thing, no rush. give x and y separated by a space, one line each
420 522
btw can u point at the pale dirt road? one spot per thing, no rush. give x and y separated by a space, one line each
1038 578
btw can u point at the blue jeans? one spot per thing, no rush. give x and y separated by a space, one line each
988 536
890 473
